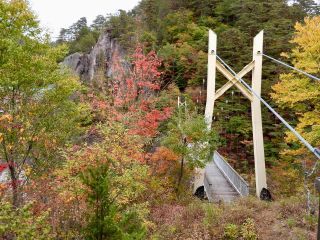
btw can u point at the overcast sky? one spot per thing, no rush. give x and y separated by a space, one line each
57 14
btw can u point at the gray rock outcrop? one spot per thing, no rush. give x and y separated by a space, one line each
101 55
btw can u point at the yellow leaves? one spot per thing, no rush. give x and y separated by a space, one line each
10 147
300 93
306 34
307 37
35 138
309 127
27 170
67 196
1 137
6 117
70 199
292 89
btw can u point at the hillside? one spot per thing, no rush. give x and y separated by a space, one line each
103 130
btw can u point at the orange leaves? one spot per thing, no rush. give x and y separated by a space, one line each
163 153
6 122
163 159
3 187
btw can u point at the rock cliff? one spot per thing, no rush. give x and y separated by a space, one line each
101 55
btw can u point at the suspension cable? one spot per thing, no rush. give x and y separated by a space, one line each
291 67
315 151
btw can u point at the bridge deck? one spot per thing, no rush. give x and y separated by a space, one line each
217 186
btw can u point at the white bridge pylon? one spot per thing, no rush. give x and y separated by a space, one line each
212 95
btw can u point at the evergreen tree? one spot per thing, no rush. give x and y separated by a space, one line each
178 29
202 8
63 36
244 20
79 27
123 28
79 37
106 220
98 23
150 11
308 6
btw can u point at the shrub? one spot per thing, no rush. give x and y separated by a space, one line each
231 232
23 224
212 214
248 230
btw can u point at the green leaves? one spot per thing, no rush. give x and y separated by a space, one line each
106 218
189 137
239 125
18 19
35 92
22 223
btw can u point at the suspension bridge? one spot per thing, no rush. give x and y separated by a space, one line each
218 181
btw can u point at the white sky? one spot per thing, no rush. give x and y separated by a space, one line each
57 14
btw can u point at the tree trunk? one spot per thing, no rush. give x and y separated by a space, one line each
184 139
180 174
15 186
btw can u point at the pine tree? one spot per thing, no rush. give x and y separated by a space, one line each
150 10
98 23
106 221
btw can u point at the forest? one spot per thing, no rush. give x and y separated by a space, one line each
113 155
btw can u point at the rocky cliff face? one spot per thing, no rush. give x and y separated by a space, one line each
101 55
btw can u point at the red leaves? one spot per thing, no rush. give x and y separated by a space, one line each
148 125
98 104
146 71
141 82
134 94
3 166
133 102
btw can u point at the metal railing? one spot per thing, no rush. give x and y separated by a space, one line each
239 184
207 189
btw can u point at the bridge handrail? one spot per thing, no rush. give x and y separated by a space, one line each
240 185
207 189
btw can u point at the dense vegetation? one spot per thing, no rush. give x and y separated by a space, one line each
177 30
114 159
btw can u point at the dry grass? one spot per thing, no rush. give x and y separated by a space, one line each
285 219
